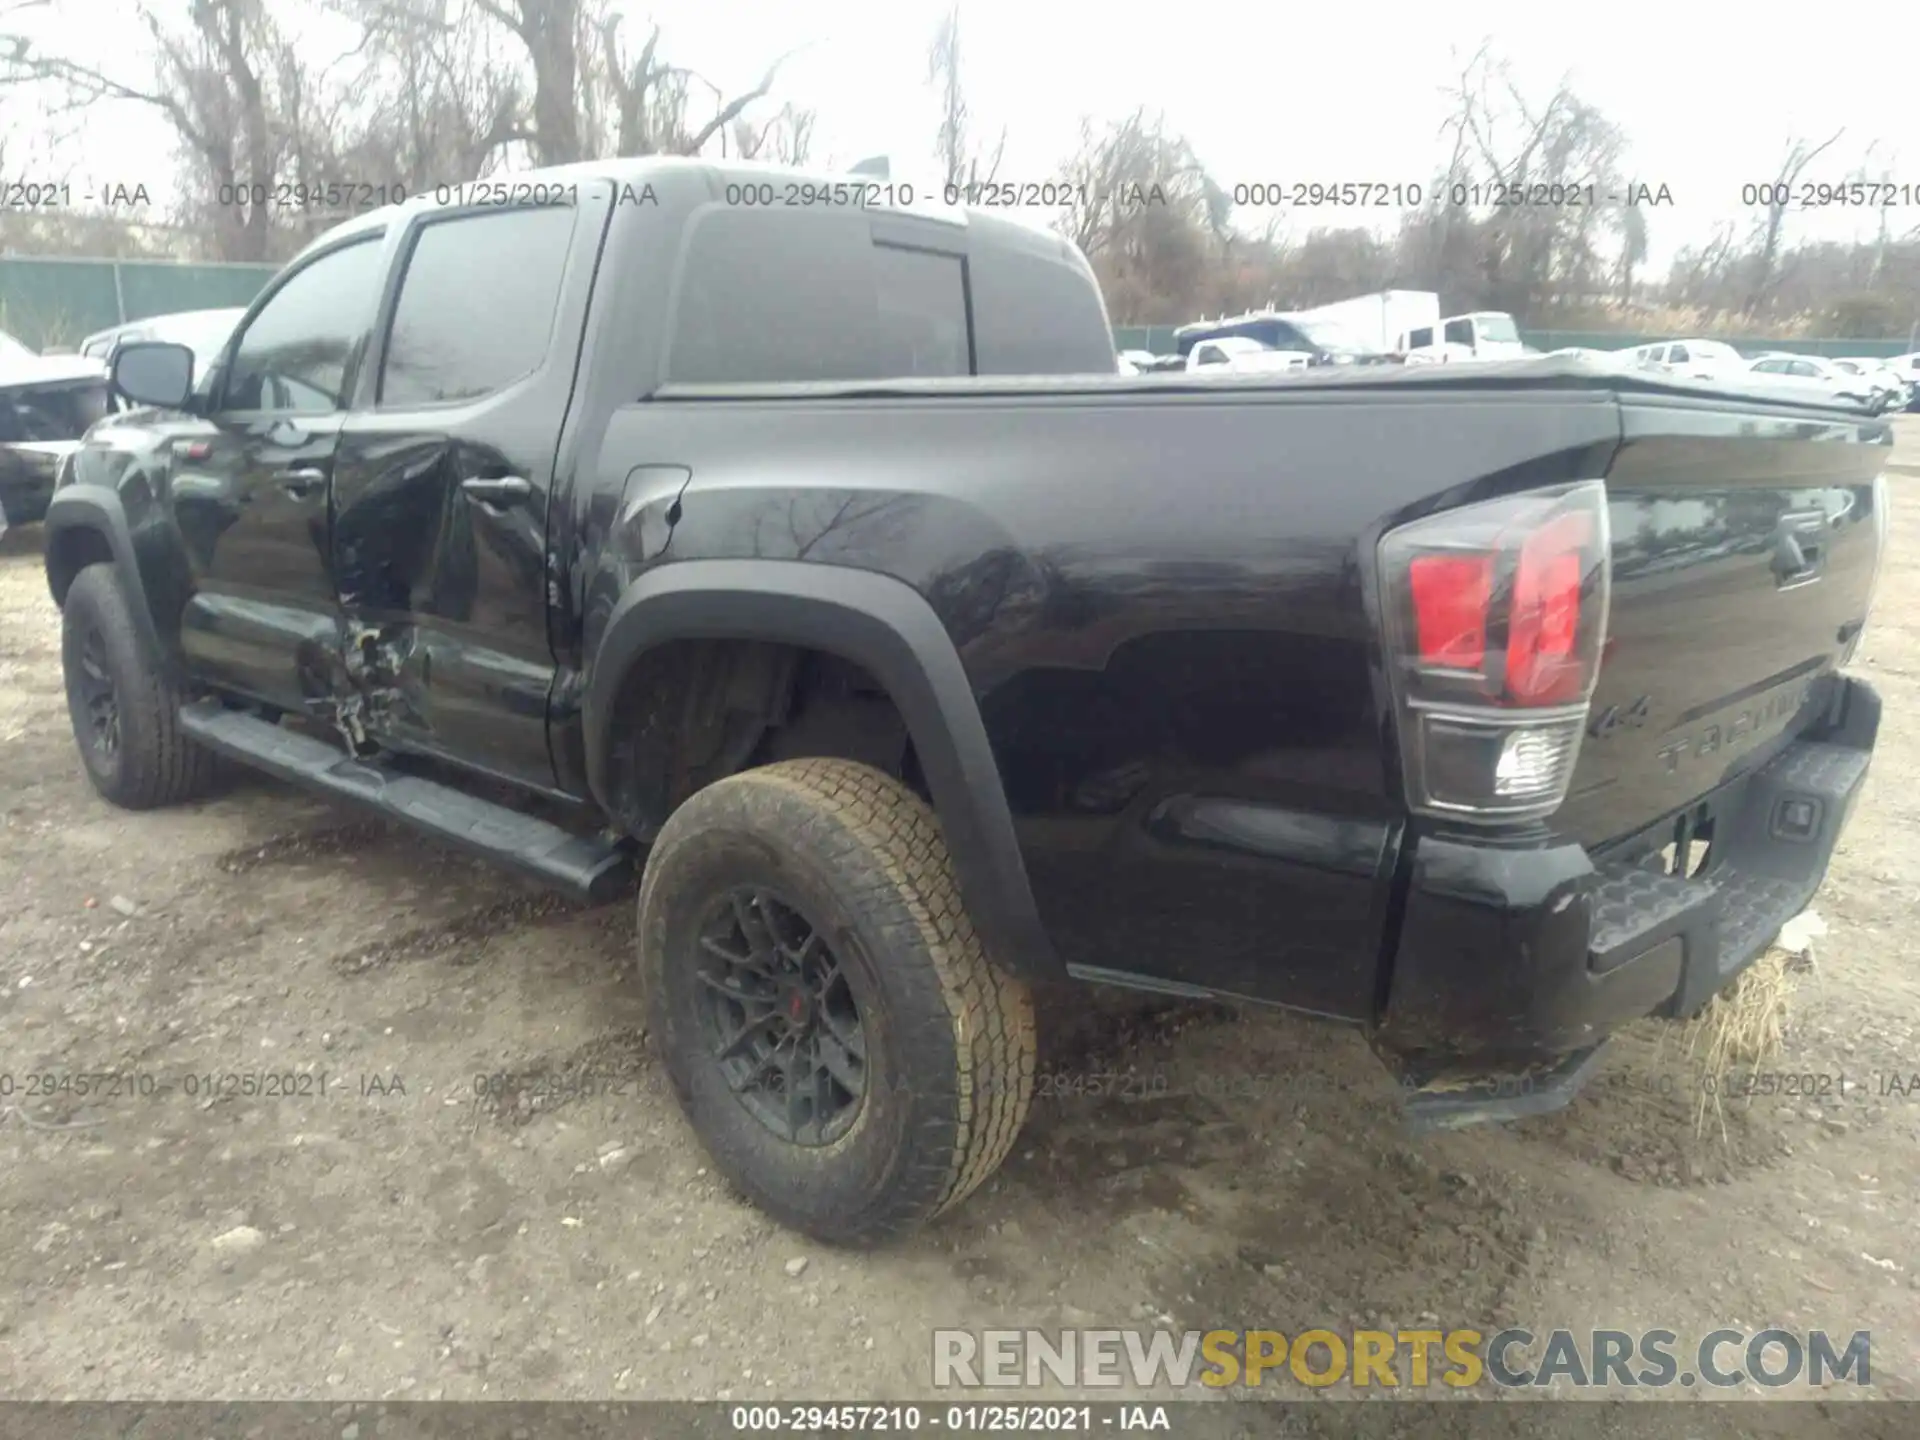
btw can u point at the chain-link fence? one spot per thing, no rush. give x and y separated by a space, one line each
52 302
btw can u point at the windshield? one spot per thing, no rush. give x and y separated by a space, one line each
47 413
1328 336
1497 328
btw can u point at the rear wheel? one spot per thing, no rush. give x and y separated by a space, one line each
125 711
822 1005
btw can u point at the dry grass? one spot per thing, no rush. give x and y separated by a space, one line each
1742 1028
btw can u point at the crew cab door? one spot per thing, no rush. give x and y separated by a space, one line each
444 477
249 483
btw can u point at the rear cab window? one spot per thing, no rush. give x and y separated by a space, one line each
784 296
775 296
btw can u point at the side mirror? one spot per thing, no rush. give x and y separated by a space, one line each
154 372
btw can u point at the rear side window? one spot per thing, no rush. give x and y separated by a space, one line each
476 305
775 296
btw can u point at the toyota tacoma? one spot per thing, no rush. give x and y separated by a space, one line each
802 556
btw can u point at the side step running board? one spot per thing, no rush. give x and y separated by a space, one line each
1453 1104
592 869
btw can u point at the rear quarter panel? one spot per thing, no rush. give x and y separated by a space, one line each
1162 605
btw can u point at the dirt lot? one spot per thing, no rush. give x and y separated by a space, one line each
409 1240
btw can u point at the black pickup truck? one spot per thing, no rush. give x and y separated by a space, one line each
811 547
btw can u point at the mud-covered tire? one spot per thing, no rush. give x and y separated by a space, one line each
948 1038
140 759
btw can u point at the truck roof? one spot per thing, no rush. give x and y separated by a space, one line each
640 170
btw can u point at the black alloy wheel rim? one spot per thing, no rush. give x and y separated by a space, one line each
97 698
779 1017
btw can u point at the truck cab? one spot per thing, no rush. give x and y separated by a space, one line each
1481 335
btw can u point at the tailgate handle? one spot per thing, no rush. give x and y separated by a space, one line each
1799 548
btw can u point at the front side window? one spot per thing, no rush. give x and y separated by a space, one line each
296 353
1459 332
476 305
1420 339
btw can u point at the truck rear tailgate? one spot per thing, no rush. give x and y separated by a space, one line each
1744 552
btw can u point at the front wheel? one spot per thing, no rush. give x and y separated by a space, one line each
124 709
825 1012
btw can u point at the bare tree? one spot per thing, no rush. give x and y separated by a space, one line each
553 32
1535 183
1793 164
1145 212
212 86
785 139
653 100
960 165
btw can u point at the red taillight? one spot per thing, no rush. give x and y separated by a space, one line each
1450 595
1496 619
1542 665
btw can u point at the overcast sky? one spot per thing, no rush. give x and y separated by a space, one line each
1707 94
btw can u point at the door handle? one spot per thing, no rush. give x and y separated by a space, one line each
303 481
498 489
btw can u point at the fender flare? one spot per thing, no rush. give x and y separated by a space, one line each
886 626
94 508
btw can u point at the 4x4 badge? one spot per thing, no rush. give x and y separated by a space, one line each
1616 717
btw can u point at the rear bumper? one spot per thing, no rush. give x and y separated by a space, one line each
1522 961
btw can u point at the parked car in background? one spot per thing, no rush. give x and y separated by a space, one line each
1875 371
1323 343
1819 379
1692 359
1907 367
1238 354
46 404
201 331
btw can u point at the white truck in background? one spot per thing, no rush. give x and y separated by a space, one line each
1238 354
1408 324
1379 323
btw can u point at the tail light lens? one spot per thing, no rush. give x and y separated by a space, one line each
1496 615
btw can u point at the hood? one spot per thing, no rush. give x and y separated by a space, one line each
49 369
